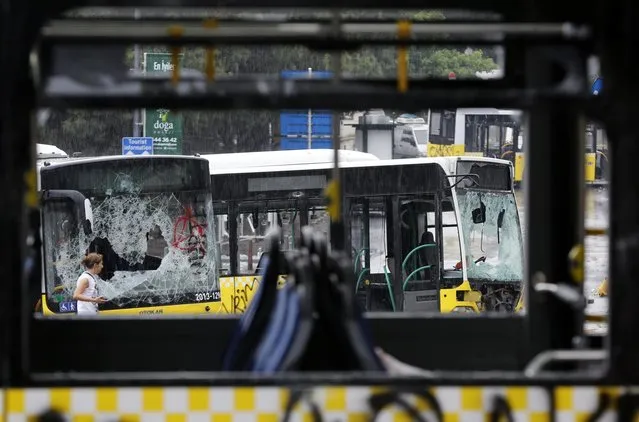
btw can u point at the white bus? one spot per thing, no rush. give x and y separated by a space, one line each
438 234
499 133
299 157
484 132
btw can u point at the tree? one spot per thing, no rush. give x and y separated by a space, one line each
465 65
99 132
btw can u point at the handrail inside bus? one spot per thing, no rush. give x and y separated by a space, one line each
357 257
390 287
410 254
417 248
422 268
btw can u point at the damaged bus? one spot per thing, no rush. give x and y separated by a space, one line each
151 217
426 234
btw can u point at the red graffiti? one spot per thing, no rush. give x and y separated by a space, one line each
188 234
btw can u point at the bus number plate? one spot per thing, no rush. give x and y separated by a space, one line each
207 296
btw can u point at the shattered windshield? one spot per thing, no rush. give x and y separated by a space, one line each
493 247
159 248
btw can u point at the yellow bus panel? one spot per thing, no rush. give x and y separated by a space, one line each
437 150
590 165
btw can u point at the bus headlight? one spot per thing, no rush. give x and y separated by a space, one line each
464 309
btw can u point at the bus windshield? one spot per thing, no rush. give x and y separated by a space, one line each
498 239
489 222
153 223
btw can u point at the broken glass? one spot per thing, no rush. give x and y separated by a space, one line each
158 249
493 248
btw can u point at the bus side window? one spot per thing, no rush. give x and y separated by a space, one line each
371 241
378 234
435 123
251 230
369 249
224 259
358 236
320 221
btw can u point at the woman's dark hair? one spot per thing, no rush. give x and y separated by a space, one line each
91 260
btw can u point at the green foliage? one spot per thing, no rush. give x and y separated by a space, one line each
100 132
465 65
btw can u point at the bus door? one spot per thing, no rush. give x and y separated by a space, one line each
402 247
371 234
490 136
476 135
420 258
450 245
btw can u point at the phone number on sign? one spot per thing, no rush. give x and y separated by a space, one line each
165 140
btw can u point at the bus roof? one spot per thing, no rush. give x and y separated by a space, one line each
83 160
302 157
448 164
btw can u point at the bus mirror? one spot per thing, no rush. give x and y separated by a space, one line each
479 214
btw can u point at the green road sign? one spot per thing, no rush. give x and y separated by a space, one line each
163 125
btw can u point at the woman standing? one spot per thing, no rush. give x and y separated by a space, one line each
86 291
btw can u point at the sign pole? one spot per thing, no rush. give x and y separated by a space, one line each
310 115
137 113
144 109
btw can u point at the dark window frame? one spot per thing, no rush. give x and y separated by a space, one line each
623 343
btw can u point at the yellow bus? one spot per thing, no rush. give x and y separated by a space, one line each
152 219
498 133
425 234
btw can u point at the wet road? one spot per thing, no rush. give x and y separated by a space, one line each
596 216
596 204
